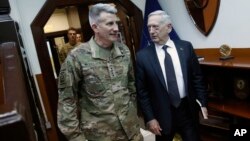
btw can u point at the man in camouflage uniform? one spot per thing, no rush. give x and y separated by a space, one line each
96 85
66 48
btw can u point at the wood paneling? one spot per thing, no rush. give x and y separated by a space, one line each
16 121
52 132
212 58
228 89
237 52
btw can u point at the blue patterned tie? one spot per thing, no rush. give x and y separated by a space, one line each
173 91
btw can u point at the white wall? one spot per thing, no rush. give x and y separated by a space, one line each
24 12
57 22
232 26
63 18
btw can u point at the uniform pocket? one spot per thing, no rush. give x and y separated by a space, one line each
94 87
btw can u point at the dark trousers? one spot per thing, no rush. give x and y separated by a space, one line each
183 122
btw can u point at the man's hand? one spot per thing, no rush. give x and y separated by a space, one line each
154 127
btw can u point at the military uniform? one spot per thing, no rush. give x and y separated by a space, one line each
97 99
64 50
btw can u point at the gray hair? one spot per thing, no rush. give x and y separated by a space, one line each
97 9
165 17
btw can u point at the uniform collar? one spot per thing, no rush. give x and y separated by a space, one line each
97 53
169 43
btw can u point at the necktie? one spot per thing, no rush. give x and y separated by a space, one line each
173 91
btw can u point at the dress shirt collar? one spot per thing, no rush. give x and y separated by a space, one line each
169 43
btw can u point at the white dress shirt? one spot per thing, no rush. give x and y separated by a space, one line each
176 62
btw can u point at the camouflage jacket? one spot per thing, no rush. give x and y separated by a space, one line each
64 50
97 94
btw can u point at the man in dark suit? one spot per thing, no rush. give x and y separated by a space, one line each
164 113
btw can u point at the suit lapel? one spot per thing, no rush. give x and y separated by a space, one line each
156 65
181 52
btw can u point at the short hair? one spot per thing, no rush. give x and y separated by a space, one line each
72 28
97 9
165 17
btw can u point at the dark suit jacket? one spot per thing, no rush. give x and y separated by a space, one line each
151 88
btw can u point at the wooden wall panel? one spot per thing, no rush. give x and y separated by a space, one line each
52 132
236 52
